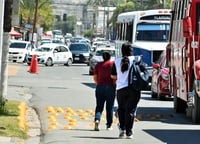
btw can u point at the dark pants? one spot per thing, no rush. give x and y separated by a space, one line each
105 93
127 99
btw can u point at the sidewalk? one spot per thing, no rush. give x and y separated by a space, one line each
32 120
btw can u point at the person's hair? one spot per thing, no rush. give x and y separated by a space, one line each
126 51
106 56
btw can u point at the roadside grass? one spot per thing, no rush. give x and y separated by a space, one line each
9 123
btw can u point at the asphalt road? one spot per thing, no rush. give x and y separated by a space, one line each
68 93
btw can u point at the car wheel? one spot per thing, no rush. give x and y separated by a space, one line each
159 96
196 107
69 62
25 59
153 94
49 62
90 72
179 104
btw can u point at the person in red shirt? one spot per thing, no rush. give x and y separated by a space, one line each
105 91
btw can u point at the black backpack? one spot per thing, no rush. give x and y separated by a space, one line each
138 77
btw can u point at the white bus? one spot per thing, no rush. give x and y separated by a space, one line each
147 31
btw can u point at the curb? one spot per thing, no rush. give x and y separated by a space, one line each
32 121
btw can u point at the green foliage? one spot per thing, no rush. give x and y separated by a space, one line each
67 26
9 121
45 12
88 33
2 105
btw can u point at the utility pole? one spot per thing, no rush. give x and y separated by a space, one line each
104 19
1 40
107 26
163 3
7 24
34 33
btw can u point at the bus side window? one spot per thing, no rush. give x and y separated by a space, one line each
129 31
197 19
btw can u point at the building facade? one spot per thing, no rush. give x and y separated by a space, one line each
88 17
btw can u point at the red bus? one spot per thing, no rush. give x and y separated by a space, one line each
183 57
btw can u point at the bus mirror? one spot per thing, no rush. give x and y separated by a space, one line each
187 27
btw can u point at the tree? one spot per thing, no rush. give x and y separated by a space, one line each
88 33
45 12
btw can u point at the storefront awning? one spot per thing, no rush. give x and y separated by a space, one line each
15 33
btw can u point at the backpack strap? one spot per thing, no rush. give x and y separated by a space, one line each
137 59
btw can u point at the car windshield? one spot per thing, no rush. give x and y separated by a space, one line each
152 32
78 47
43 49
100 52
57 41
18 45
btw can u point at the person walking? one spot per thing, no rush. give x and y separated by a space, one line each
127 97
105 91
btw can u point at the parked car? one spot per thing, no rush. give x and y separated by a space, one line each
57 41
80 52
95 45
50 54
160 79
18 50
45 42
97 57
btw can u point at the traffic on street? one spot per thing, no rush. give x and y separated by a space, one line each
64 99
100 71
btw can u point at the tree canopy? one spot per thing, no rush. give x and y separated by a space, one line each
45 13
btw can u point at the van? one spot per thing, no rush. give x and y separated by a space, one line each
18 50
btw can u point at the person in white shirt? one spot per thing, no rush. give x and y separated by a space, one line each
127 97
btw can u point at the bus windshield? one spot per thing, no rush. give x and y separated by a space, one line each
152 32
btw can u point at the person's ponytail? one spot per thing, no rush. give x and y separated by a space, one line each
124 64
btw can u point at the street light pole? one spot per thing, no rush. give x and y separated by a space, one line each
107 26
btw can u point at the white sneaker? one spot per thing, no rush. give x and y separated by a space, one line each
96 126
129 137
109 128
121 133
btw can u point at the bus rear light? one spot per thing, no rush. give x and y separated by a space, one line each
142 14
166 12
197 69
160 11
187 27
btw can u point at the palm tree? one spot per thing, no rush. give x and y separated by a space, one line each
45 12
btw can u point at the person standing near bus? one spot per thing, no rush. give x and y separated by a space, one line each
127 97
105 91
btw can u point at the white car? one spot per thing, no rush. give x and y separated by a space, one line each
50 54
18 50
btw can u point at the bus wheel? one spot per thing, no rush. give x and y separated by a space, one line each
153 94
179 105
196 107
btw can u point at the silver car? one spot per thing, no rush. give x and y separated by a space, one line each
97 57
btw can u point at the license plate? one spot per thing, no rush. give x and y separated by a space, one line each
76 58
